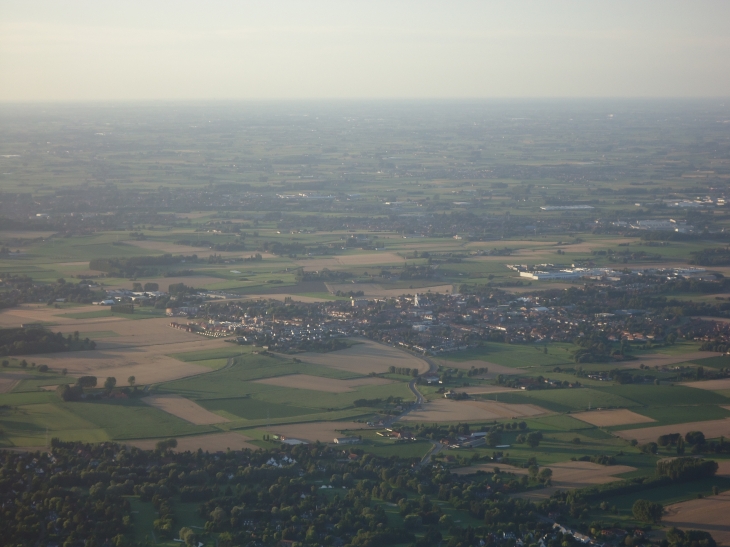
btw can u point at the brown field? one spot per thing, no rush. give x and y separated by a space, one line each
184 408
317 383
215 442
608 418
566 475
140 350
712 385
445 410
316 431
494 369
366 357
378 291
711 428
709 514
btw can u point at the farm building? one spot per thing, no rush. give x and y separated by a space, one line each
346 440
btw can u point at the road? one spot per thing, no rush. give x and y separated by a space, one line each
420 400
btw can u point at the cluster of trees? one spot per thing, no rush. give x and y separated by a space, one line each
76 491
350 294
404 371
601 459
138 266
21 289
696 442
532 439
686 469
76 391
713 256
647 511
690 538
282 249
411 271
147 287
23 341
323 346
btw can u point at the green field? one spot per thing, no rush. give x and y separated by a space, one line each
566 400
254 409
514 355
219 353
132 419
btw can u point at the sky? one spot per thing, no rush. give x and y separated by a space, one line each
130 50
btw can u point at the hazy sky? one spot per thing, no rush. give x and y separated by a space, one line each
71 50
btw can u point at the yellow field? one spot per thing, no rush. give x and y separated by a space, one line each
184 408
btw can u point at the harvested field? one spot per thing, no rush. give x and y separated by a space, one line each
566 476
711 385
608 418
711 429
709 514
316 431
366 357
317 383
493 369
139 350
446 410
215 442
184 408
